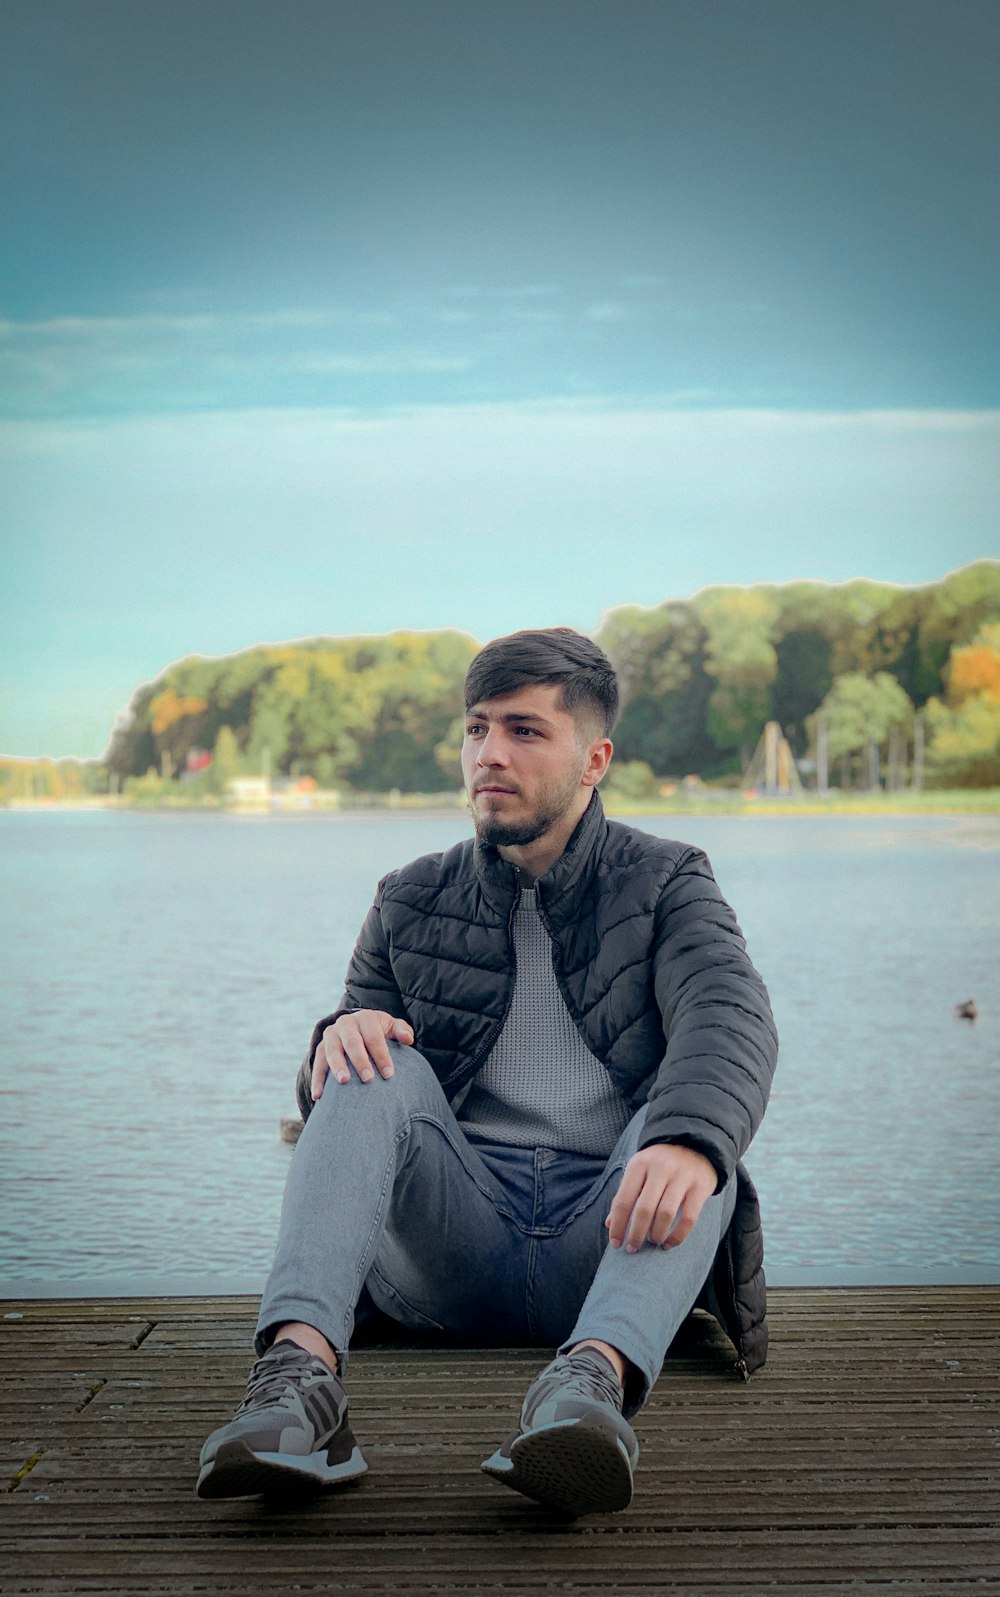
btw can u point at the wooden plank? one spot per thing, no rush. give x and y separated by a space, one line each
50 1369
828 1585
594 1562
865 1455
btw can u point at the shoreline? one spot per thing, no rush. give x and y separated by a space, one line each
944 802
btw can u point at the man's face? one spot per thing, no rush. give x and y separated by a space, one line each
523 761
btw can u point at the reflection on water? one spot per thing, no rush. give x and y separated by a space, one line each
163 973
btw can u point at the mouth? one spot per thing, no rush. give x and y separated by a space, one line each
491 788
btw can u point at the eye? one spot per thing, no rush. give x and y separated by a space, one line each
527 731
473 728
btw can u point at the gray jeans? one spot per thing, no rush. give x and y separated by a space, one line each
477 1242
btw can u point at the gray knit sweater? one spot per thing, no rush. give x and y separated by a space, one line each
540 1085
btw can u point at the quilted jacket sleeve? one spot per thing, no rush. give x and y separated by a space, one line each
370 984
712 1086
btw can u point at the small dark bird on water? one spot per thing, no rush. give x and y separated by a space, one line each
966 1011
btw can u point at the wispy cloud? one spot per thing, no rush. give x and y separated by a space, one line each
164 324
162 361
531 291
643 347
527 313
385 364
515 291
607 311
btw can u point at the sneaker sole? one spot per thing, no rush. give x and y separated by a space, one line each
237 1471
567 1466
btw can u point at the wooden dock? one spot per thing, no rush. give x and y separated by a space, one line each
866 1456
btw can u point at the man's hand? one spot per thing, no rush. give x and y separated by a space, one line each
663 1191
357 1040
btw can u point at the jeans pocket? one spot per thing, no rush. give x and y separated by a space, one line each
600 1193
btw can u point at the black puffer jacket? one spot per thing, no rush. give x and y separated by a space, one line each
654 971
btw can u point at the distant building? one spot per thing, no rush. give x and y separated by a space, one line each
249 793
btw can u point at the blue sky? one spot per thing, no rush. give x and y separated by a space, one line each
348 315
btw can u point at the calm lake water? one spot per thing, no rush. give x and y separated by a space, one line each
162 974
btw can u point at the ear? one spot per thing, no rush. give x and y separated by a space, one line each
598 759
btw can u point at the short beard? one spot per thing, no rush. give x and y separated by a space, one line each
511 834
552 802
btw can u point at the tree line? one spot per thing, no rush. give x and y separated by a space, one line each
873 664
869 661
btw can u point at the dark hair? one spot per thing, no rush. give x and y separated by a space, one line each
555 655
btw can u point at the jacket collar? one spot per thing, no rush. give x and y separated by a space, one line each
564 882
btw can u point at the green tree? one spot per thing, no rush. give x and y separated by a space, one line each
448 753
860 710
313 704
954 611
964 743
666 688
804 677
131 749
226 761
742 659
633 637
631 780
419 678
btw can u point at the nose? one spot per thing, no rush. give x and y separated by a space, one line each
493 749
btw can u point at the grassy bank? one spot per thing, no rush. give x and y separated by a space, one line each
958 801
707 801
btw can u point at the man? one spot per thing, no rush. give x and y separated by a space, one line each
525 1119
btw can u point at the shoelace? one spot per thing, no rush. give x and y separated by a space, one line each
588 1377
270 1379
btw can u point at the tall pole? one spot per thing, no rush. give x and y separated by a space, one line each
894 762
822 757
771 757
918 753
873 767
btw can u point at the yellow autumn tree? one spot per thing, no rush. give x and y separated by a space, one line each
964 726
168 708
976 668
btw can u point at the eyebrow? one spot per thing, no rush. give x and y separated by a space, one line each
479 714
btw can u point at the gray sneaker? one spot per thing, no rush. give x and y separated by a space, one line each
573 1450
289 1431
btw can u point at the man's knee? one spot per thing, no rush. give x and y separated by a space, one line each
412 1085
412 1075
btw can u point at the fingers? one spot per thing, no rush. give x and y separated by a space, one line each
364 1044
658 1202
357 1042
670 1232
321 1067
654 1217
620 1214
